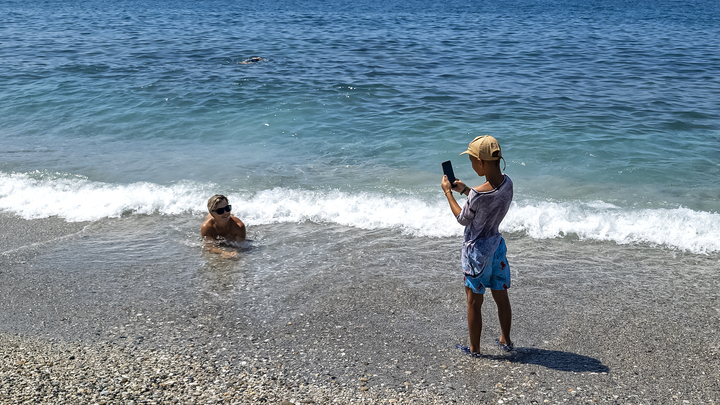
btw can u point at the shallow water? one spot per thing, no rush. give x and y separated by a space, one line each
607 113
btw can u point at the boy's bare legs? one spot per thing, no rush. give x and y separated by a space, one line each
474 303
504 314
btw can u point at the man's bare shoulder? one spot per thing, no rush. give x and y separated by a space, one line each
238 232
238 221
208 228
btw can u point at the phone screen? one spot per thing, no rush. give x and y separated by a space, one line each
448 171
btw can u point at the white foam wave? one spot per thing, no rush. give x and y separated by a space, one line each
362 210
77 199
680 228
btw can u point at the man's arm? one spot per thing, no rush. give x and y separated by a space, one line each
209 246
207 231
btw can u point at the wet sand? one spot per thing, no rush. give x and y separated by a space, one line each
638 328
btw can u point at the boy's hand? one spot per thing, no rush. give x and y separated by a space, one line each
458 186
445 184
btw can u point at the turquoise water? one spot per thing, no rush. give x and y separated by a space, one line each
608 113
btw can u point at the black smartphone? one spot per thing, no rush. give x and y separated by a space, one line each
448 171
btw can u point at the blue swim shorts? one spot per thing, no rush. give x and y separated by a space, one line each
497 279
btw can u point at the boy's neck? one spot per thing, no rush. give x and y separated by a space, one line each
495 178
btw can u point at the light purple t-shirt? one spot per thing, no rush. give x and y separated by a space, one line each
481 216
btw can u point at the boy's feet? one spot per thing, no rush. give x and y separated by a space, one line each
504 347
466 350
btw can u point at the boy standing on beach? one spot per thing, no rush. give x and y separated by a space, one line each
483 253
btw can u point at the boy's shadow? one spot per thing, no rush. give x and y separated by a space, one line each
555 359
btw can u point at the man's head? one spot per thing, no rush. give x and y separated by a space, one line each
215 201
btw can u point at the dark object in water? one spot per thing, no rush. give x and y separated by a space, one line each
254 59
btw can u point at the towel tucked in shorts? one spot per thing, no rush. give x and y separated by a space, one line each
498 278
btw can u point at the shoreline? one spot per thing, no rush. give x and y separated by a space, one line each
592 322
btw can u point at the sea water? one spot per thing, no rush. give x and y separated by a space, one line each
129 115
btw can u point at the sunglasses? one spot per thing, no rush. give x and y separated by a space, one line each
222 210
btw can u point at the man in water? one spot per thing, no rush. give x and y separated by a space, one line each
254 59
220 224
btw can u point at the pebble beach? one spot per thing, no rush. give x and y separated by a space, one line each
376 339
325 123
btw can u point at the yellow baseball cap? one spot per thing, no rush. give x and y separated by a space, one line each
484 147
